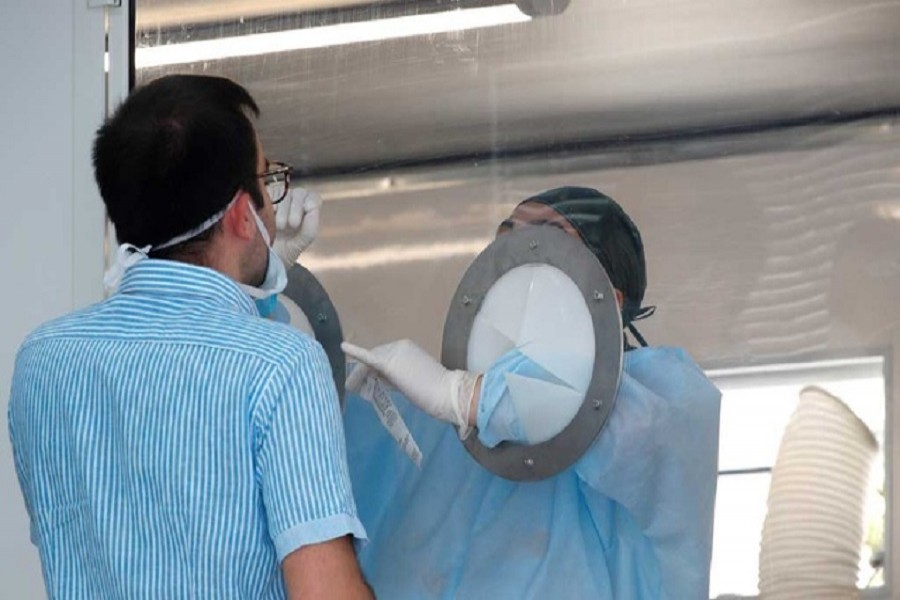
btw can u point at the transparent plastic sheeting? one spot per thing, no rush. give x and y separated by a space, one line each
597 71
539 311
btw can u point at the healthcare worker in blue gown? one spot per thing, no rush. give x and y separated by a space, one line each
632 518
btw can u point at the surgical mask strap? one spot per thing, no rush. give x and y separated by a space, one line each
637 335
643 313
275 279
201 228
128 255
262 229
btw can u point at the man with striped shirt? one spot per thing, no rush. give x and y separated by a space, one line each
169 442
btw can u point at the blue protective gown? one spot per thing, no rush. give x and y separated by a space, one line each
632 518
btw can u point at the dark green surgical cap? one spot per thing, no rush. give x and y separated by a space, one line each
611 235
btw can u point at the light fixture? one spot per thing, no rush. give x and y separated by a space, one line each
397 254
329 35
889 211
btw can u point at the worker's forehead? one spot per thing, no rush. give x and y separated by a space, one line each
529 211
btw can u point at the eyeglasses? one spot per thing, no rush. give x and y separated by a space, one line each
277 179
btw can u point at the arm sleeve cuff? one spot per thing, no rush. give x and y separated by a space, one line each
496 417
315 532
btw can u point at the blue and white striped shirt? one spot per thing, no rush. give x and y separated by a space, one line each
170 443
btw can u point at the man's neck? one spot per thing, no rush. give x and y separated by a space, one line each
216 256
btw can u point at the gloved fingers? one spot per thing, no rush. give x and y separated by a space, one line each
308 230
312 201
283 210
298 207
356 377
360 354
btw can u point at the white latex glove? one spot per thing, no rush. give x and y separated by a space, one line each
440 392
296 224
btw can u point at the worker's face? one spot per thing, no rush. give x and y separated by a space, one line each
536 213
267 212
257 258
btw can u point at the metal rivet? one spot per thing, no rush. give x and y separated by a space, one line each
466 300
321 318
533 245
598 295
529 462
598 403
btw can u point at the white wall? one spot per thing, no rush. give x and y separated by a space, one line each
51 232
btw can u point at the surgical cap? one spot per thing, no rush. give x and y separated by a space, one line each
611 235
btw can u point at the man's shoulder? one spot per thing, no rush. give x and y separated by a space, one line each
275 339
670 366
68 324
655 355
246 334
114 319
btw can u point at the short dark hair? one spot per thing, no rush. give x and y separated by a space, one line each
175 153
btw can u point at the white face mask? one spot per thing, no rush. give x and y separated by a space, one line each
276 275
264 295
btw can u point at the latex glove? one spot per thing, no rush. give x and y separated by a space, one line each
296 224
356 374
440 392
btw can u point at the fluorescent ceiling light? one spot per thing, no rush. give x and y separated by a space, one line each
888 211
390 255
329 35
204 12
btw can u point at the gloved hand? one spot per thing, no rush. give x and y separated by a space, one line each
442 393
296 224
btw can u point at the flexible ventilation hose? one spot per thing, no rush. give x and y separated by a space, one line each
813 530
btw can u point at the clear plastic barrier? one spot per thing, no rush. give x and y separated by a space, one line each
755 144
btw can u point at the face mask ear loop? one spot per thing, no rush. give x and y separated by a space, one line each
637 335
261 227
643 313
127 255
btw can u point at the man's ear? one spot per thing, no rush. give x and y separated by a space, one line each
620 299
238 220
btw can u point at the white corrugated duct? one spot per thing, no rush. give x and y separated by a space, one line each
814 526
